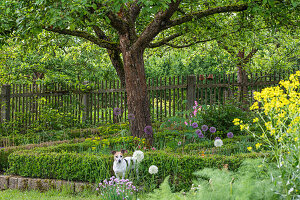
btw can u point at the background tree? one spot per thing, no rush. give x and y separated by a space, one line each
128 27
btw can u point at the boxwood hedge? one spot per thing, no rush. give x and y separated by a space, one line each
94 168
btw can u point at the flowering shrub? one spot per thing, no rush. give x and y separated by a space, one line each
116 189
279 119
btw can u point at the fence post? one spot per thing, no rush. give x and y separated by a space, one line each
191 94
86 103
5 103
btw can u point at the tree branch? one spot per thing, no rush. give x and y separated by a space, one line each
250 55
100 42
188 45
164 41
205 13
135 10
159 21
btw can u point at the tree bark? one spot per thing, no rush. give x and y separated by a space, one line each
136 88
242 78
116 61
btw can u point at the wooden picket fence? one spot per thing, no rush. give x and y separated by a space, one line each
94 102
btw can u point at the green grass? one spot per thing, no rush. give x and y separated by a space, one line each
51 195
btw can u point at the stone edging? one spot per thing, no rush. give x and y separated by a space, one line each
23 183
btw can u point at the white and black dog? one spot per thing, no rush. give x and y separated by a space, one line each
122 165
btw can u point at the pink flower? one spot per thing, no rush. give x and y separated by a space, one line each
185 123
145 148
195 112
196 103
153 148
139 146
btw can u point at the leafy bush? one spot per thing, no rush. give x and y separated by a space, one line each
279 118
250 182
221 117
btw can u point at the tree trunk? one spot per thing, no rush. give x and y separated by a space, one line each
116 61
242 78
136 88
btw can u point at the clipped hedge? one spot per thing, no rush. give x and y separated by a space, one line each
46 146
210 143
93 168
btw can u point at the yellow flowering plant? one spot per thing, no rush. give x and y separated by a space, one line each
278 110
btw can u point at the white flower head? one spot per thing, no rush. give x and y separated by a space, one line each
153 169
218 142
138 155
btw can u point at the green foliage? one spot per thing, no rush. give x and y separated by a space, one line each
94 167
251 181
48 147
221 117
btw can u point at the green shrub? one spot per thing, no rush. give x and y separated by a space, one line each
93 167
47 146
238 140
221 117
251 181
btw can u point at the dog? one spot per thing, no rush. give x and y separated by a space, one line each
122 165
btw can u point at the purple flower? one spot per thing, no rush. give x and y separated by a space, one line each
212 129
230 135
200 135
194 125
198 131
204 128
148 130
117 111
131 116
217 138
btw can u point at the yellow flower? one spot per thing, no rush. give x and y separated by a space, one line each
255 120
296 139
249 148
280 139
254 106
236 121
93 148
272 131
258 145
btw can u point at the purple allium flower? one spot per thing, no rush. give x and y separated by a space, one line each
230 135
198 131
148 130
217 138
200 135
117 111
212 129
194 125
204 128
131 116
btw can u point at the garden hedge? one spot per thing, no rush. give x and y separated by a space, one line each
94 168
46 146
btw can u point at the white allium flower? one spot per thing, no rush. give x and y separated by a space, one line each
138 155
153 169
218 142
